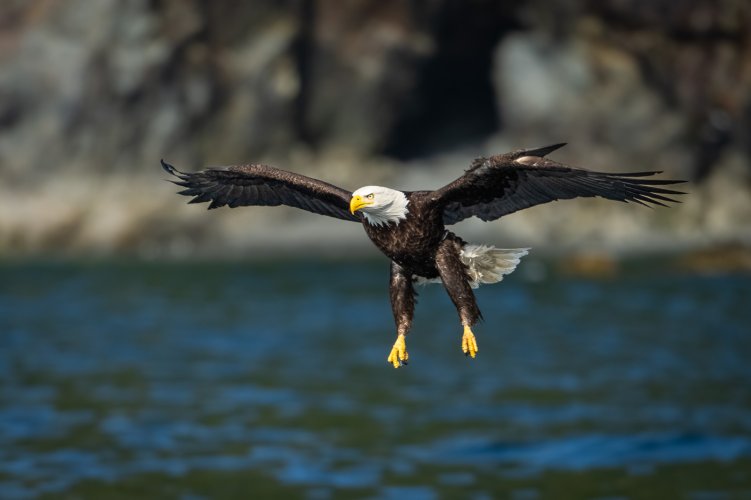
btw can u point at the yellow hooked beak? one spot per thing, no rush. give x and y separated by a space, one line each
357 202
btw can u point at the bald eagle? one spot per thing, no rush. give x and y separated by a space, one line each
409 227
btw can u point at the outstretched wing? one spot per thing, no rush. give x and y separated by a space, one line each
255 184
503 184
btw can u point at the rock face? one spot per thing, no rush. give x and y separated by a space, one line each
668 81
115 85
96 91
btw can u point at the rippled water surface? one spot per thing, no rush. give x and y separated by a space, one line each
256 380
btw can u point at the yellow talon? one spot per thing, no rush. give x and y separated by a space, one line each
398 356
469 344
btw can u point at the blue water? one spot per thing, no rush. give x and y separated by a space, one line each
223 380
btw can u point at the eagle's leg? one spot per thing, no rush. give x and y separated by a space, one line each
454 276
402 296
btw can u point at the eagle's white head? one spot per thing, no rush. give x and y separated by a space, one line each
379 205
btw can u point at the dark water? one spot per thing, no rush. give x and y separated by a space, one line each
190 381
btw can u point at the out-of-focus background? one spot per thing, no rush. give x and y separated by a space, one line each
404 94
150 348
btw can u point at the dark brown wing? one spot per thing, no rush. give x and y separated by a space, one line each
255 184
504 184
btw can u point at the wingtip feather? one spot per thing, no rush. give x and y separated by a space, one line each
168 168
545 150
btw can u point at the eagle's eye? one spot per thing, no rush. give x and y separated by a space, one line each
370 196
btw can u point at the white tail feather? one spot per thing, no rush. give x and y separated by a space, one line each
486 264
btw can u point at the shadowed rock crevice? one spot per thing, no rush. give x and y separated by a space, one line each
454 100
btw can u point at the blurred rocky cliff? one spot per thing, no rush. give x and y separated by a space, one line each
93 94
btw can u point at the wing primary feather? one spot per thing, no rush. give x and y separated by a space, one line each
656 182
653 200
652 197
200 198
543 151
170 169
647 173
636 200
654 189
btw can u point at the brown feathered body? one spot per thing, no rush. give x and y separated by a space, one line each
421 247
